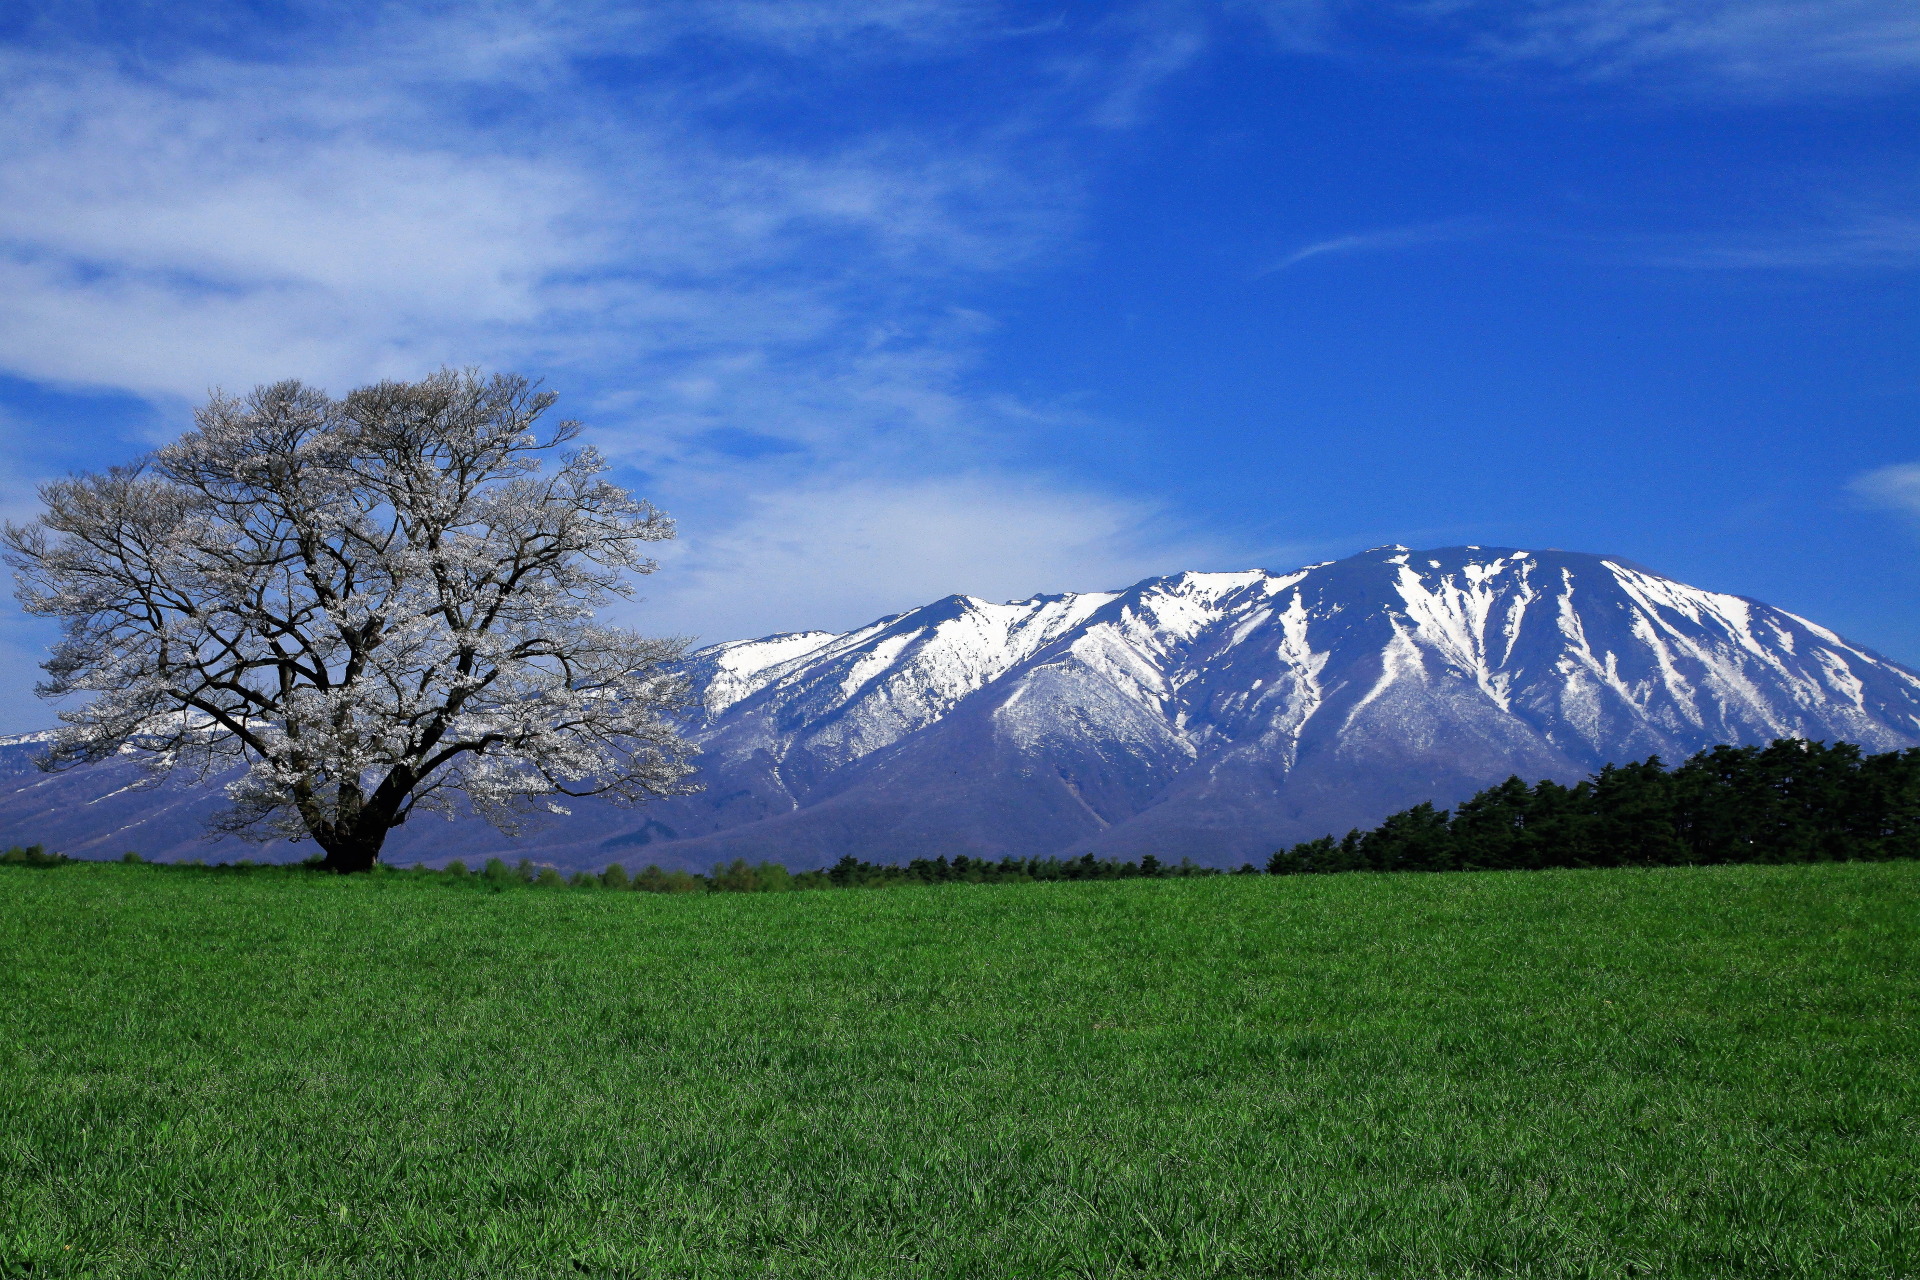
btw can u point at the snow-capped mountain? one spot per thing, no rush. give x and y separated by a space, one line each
1210 715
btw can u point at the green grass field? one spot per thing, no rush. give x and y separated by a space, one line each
1704 1072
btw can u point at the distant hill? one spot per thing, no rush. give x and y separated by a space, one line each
1210 715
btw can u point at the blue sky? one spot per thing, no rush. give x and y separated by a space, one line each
887 300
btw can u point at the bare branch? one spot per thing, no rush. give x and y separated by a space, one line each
378 603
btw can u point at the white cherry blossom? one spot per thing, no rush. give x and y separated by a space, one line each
379 604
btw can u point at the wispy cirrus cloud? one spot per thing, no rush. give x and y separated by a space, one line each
1894 488
1869 242
1747 48
167 227
768 328
1386 240
457 185
1155 44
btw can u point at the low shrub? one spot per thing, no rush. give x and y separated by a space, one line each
32 855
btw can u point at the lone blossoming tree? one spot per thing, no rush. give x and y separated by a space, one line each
376 604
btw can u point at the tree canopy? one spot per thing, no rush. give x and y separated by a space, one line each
376 604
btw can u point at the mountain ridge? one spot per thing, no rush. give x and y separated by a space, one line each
1212 715
1258 717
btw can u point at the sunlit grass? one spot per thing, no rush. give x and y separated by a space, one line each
1681 1072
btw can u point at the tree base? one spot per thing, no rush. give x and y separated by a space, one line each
347 861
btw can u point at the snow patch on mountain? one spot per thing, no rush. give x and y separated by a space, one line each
1212 715
738 668
1463 662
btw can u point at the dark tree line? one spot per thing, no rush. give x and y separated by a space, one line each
1793 801
739 876
851 873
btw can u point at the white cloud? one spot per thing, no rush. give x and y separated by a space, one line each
1761 46
334 213
23 640
1880 241
1895 488
1299 26
1159 42
23 647
1718 47
219 222
764 330
1383 241
892 545
808 26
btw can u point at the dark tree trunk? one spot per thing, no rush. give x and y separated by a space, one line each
357 852
352 840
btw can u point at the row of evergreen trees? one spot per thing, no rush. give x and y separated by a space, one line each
1793 801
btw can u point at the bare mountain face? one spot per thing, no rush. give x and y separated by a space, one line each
1206 715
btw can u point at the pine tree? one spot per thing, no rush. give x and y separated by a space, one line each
1489 831
1559 826
1633 807
1415 839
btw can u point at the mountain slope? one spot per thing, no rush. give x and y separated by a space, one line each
1211 715
1216 714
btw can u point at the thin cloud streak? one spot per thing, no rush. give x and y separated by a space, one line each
1158 46
1741 46
1894 488
1715 48
1389 240
1875 242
